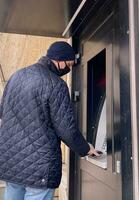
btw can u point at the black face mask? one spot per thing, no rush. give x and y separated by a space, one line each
64 71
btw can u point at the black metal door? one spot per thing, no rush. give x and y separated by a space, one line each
100 79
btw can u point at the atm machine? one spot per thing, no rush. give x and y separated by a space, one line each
99 178
99 111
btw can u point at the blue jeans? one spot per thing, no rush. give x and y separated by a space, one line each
18 192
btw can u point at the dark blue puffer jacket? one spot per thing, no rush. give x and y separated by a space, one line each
36 115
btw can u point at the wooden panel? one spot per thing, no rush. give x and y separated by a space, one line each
17 51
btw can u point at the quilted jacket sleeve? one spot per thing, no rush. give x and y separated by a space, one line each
63 120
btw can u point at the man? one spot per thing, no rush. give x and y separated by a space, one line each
36 115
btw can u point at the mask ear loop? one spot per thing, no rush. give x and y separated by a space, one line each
58 65
66 64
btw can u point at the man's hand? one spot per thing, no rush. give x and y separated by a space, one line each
92 151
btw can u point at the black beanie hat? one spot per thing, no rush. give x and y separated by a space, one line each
61 51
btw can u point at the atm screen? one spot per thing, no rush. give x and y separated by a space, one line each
96 101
